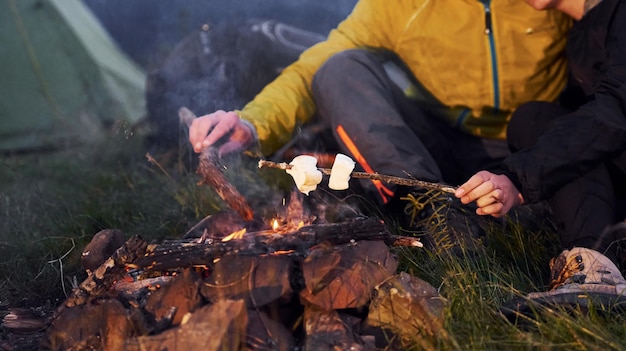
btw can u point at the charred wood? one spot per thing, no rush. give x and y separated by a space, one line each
112 270
178 253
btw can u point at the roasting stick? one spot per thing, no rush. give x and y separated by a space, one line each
374 176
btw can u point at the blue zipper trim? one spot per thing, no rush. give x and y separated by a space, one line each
494 59
460 120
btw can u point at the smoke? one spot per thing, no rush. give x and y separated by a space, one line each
205 74
147 29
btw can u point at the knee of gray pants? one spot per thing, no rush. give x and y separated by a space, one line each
339 65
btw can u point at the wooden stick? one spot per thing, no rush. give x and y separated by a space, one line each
373 176
213 176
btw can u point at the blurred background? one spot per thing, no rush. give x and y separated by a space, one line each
147 29
71 68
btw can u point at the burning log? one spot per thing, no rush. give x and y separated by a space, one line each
178 253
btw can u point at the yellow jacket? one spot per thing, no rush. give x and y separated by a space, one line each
481 58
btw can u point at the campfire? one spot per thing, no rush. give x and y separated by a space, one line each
320 286
239 282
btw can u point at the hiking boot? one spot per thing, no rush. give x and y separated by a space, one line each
581 278
583 275
583 266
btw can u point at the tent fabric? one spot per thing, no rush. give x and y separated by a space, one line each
62 78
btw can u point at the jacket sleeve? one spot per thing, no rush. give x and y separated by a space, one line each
584 139
287 101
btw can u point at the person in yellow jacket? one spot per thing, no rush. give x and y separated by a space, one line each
409 87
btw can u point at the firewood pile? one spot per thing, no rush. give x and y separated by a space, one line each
319 287
235 282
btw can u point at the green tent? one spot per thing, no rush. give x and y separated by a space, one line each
62 78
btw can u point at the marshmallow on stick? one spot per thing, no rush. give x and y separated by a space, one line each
305 173
340 172
373 176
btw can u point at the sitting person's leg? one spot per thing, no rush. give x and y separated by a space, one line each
388 132
366 112
584 211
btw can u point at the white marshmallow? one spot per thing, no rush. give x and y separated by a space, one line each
340 173
305 173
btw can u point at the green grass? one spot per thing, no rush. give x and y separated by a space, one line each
52 203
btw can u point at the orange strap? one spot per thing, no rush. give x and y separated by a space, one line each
385 193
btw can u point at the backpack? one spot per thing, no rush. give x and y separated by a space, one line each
219 68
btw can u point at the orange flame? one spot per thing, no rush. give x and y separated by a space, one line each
275 224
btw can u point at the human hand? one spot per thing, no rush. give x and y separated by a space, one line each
494 194
207 130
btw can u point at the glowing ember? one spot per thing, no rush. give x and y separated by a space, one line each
291 220
236 235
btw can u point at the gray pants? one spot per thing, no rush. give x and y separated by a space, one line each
374 122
